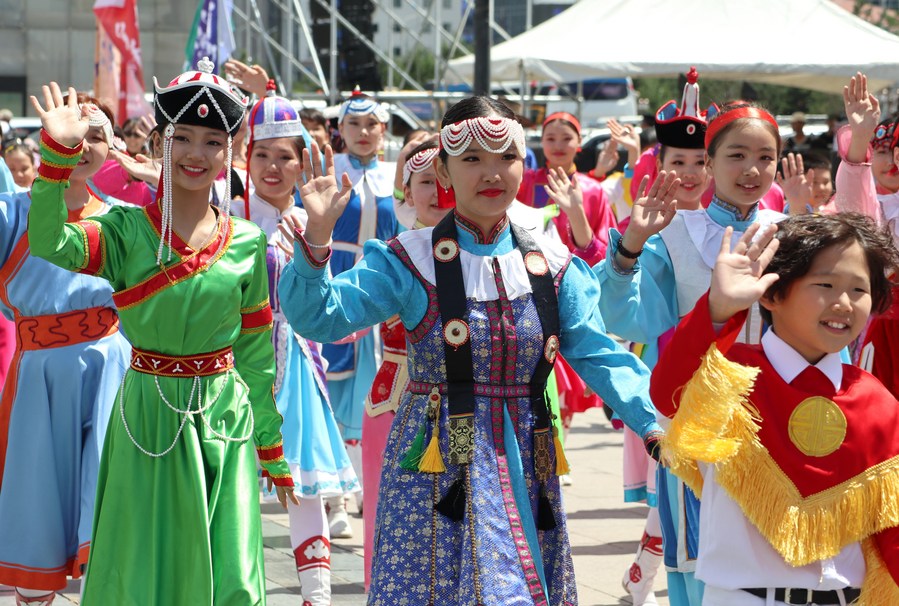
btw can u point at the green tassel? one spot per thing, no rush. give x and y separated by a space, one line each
416 451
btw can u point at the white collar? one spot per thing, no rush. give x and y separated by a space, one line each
789 363
267 209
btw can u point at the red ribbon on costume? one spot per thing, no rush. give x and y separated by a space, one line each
723 119
563 116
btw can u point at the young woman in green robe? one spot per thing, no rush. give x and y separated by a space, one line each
177 513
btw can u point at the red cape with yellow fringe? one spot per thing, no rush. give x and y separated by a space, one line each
780 452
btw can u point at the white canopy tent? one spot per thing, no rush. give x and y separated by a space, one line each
811 44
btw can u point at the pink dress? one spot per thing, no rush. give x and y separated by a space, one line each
601 218
380 408
113 180
596 207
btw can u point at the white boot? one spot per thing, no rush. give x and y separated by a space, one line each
639 577
338 520
31 597
313 560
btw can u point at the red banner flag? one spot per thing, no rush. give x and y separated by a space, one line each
118 21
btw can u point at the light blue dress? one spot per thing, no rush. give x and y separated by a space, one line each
313 446
369 214
54 409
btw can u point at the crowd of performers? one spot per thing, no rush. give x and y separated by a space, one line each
237 299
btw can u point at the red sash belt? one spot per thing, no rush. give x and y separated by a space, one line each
198 365
70 328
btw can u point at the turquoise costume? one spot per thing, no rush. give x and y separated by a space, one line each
495 553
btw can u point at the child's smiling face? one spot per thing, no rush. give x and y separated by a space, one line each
826 309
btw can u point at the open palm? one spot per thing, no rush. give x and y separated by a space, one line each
738 279
655 207
322 199
62 119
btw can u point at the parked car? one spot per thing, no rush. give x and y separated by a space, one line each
25 128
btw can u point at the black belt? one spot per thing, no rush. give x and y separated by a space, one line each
802 597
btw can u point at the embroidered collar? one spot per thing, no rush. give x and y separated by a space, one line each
727 214
472 228
357 163
179 245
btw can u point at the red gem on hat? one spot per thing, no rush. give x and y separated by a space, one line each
203 110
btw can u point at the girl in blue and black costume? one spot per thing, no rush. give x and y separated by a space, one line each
662 265
470 510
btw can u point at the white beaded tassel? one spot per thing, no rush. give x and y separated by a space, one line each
165 235
226 203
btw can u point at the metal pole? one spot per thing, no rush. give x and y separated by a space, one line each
333 63
248 39
523 105
482 19
287 36
390 50
267 46
529 15
437 45
313 52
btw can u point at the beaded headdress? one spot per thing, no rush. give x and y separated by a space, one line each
360 104
187 100
684 126
495 135
97 117
419 162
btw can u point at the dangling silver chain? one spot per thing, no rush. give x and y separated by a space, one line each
196 389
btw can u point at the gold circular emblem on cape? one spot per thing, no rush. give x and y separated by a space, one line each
817 426
536 263
446 249
551 348
456 333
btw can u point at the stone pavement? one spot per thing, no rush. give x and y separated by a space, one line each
604 532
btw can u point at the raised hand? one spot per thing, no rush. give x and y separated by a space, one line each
251 78
628 137
145 125
737 279
862 108
654 208
796 183
140 167
607 158
322 200
564 191
862 113
64 120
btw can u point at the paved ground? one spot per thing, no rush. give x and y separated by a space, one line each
604 531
